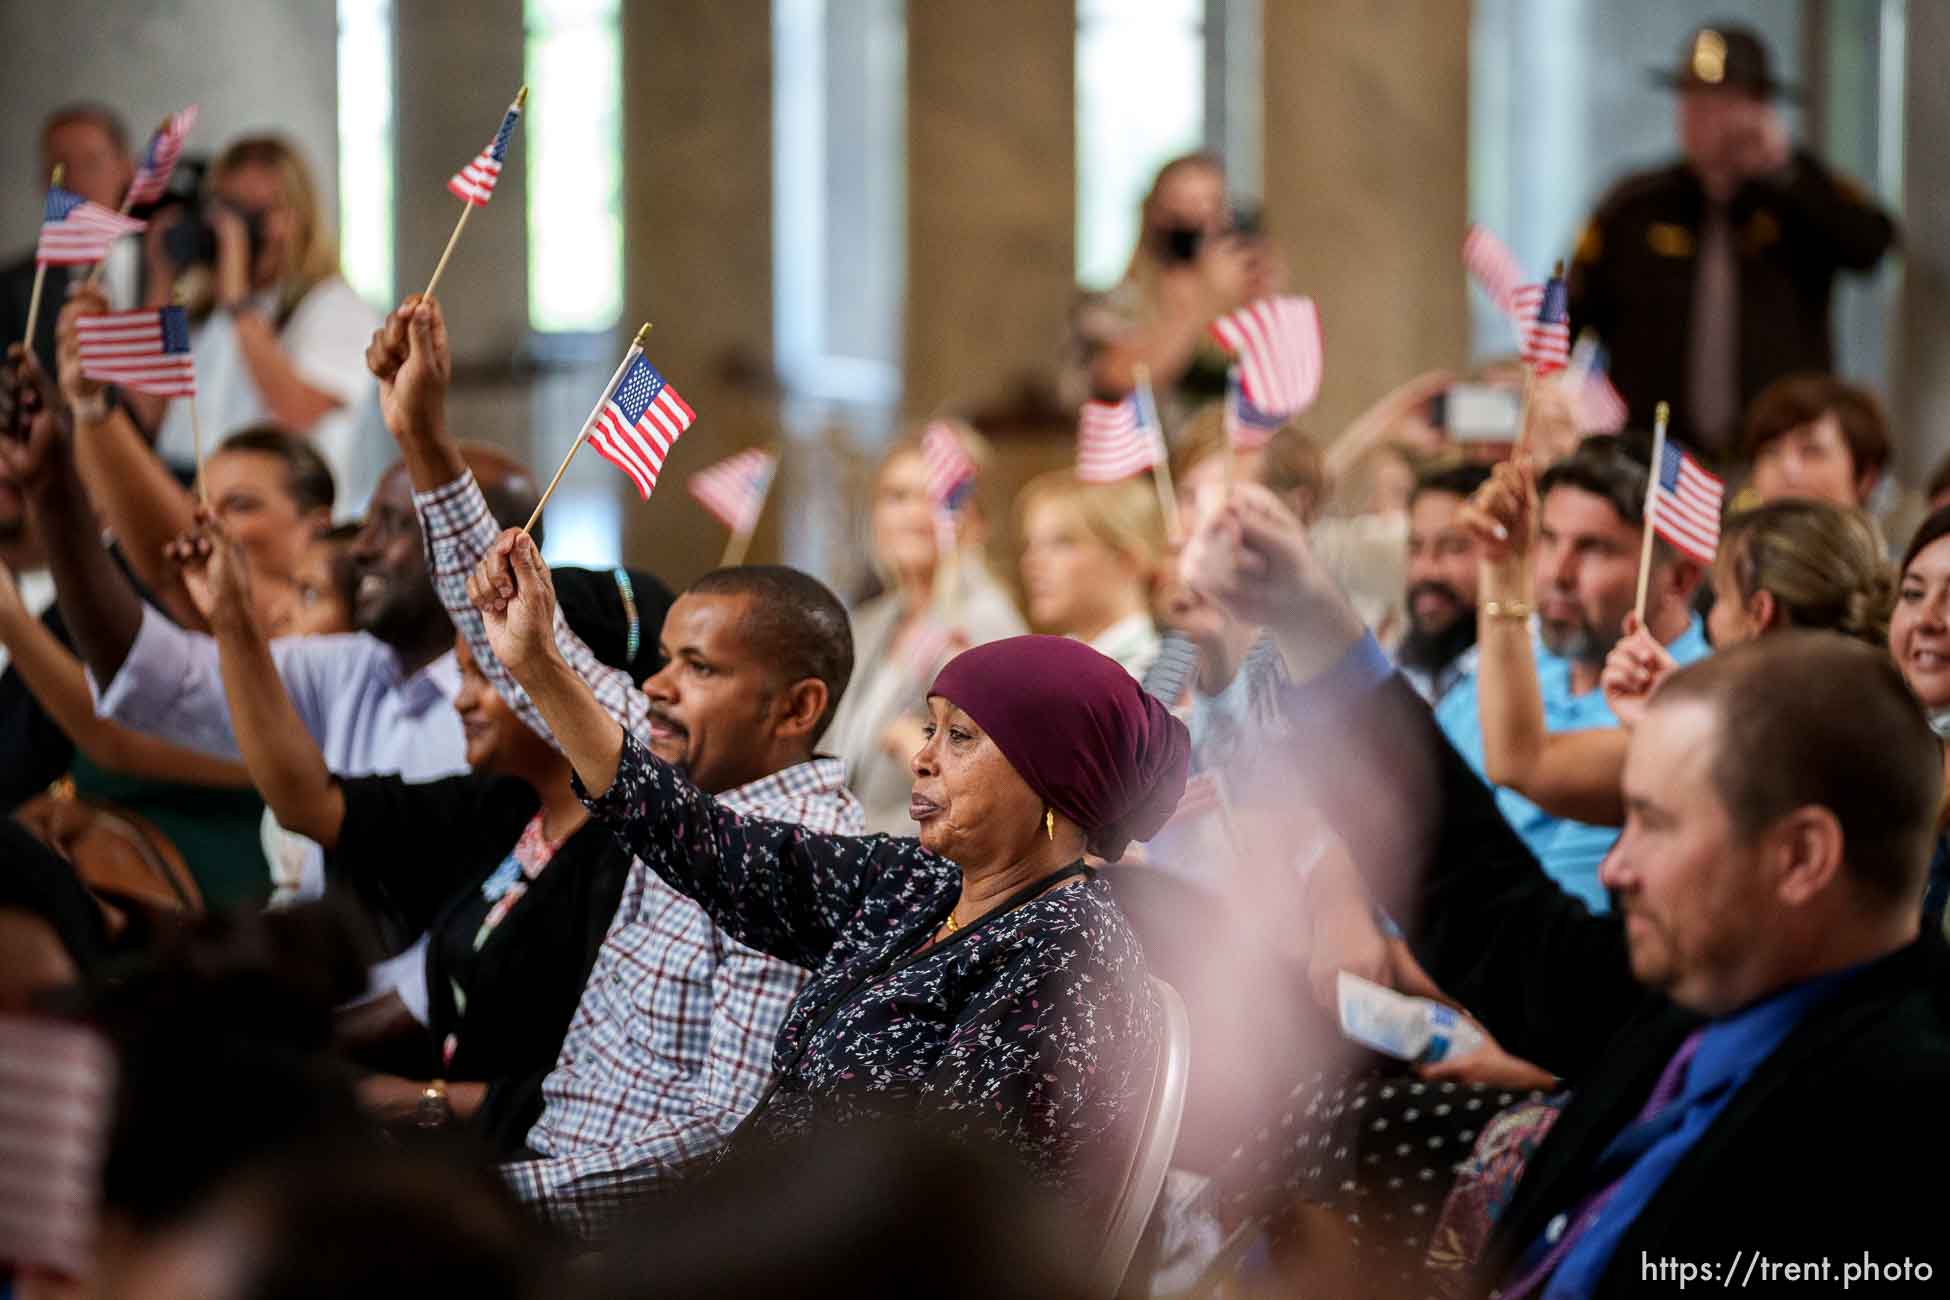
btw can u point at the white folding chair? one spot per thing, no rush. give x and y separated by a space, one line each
1151 1158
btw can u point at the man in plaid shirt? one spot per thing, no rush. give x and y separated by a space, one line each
672 1042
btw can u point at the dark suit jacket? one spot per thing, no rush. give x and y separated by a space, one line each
17 290
1632 279
1832 1148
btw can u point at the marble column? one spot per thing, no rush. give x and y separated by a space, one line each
991 164
697 249
1921 405
1367 148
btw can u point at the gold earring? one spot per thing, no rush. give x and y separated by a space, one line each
1049 823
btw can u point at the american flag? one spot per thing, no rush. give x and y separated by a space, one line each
1686 504
639 424
147 350
1247 428
1117 439
59 1083
1277 341
475 182
951 470
1493 266
1545 319
734 489
159 159
75 232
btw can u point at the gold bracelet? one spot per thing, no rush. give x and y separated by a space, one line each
1507 608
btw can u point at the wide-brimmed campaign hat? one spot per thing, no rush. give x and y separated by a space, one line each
1725 56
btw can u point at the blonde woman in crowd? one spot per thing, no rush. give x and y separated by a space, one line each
1091 560
279 336
932 606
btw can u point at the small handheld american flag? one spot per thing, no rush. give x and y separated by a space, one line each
639 424
1686 502
1247 428
75 231
734 489
159 159
1277 341
1117 439
1493 267
951 470
1545 313
475 182
147 350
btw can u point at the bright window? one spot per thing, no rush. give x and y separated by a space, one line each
572 134
1140 101
366 148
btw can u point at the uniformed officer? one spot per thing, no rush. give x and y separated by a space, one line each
1710 278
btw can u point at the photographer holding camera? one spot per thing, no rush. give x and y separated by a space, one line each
1196 259
278 334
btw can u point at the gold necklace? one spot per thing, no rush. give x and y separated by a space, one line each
953 924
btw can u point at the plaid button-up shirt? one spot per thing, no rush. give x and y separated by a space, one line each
672 1042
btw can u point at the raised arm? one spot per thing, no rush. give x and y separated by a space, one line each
283 759
1572 774
1548 978
101 608
776 887
141 501
60 684
411 357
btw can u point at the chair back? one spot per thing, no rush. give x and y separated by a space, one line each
1151 1159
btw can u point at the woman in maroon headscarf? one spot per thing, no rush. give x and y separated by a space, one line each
977 978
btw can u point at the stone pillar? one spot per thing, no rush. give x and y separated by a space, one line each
1367 150
991 165
1921 409
458 63
697 250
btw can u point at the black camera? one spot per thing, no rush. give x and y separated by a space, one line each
1182 243
190 240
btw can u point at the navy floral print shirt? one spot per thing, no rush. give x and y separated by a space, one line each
1034 1028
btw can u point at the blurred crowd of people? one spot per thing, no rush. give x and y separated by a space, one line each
382 908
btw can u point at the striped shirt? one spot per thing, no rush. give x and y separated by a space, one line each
672 1042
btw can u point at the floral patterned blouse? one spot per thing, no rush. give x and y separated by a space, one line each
1033 1027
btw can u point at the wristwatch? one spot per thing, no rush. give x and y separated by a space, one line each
433 1110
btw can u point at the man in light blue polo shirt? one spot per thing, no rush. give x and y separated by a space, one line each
1585 578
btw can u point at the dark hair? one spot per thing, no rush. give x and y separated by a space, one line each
1933 528
1794 400
795 622
1460 480
91 112
1614 467
307 478
1291 462
511 499
370 1220
1939 480
1815 718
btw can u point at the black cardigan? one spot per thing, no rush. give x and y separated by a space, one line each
1832 1147
421 851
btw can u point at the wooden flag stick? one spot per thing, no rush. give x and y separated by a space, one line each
1161 472
196 446
609 390
466 209
40 277
1659 416
95 272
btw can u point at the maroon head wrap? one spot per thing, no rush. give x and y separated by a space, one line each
1078 729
